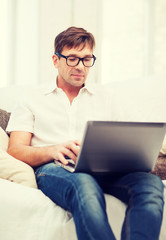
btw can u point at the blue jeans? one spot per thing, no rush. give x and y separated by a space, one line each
83 195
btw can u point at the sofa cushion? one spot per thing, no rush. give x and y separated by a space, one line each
12 169
4 118
160 167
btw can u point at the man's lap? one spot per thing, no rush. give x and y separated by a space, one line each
58 183
55 178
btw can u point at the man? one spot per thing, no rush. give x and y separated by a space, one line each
48 126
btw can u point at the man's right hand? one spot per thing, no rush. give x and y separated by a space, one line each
68 149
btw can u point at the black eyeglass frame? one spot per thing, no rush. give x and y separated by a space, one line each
79 59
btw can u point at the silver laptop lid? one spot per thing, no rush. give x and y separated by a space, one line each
120 147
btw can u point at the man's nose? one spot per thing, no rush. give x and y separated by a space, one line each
80 64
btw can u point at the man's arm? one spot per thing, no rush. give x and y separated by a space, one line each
19 147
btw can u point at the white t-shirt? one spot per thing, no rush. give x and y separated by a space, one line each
48 114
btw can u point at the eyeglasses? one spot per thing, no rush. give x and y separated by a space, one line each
73 61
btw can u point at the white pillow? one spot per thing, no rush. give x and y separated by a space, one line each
12 169
163 149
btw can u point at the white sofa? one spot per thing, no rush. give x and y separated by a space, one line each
26 213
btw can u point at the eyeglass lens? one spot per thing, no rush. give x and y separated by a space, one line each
87 61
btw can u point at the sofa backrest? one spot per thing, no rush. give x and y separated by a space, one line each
10 95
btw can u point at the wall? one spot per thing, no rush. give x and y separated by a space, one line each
130 36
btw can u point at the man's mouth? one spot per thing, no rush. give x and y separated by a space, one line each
78 75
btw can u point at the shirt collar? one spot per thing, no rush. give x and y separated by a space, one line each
52 86
90 88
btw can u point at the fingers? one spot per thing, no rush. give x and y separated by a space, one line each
68 152
62 159
69 149
73 147
77 142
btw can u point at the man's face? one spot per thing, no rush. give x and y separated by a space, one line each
73 76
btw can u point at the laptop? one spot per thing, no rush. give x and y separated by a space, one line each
118 147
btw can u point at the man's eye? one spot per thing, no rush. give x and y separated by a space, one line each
72 59
87 59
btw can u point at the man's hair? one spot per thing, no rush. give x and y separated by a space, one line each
73 37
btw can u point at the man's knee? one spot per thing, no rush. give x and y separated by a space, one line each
86 190
147 180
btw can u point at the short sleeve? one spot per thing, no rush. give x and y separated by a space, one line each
21 119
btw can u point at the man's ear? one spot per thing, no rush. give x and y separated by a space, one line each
55 60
